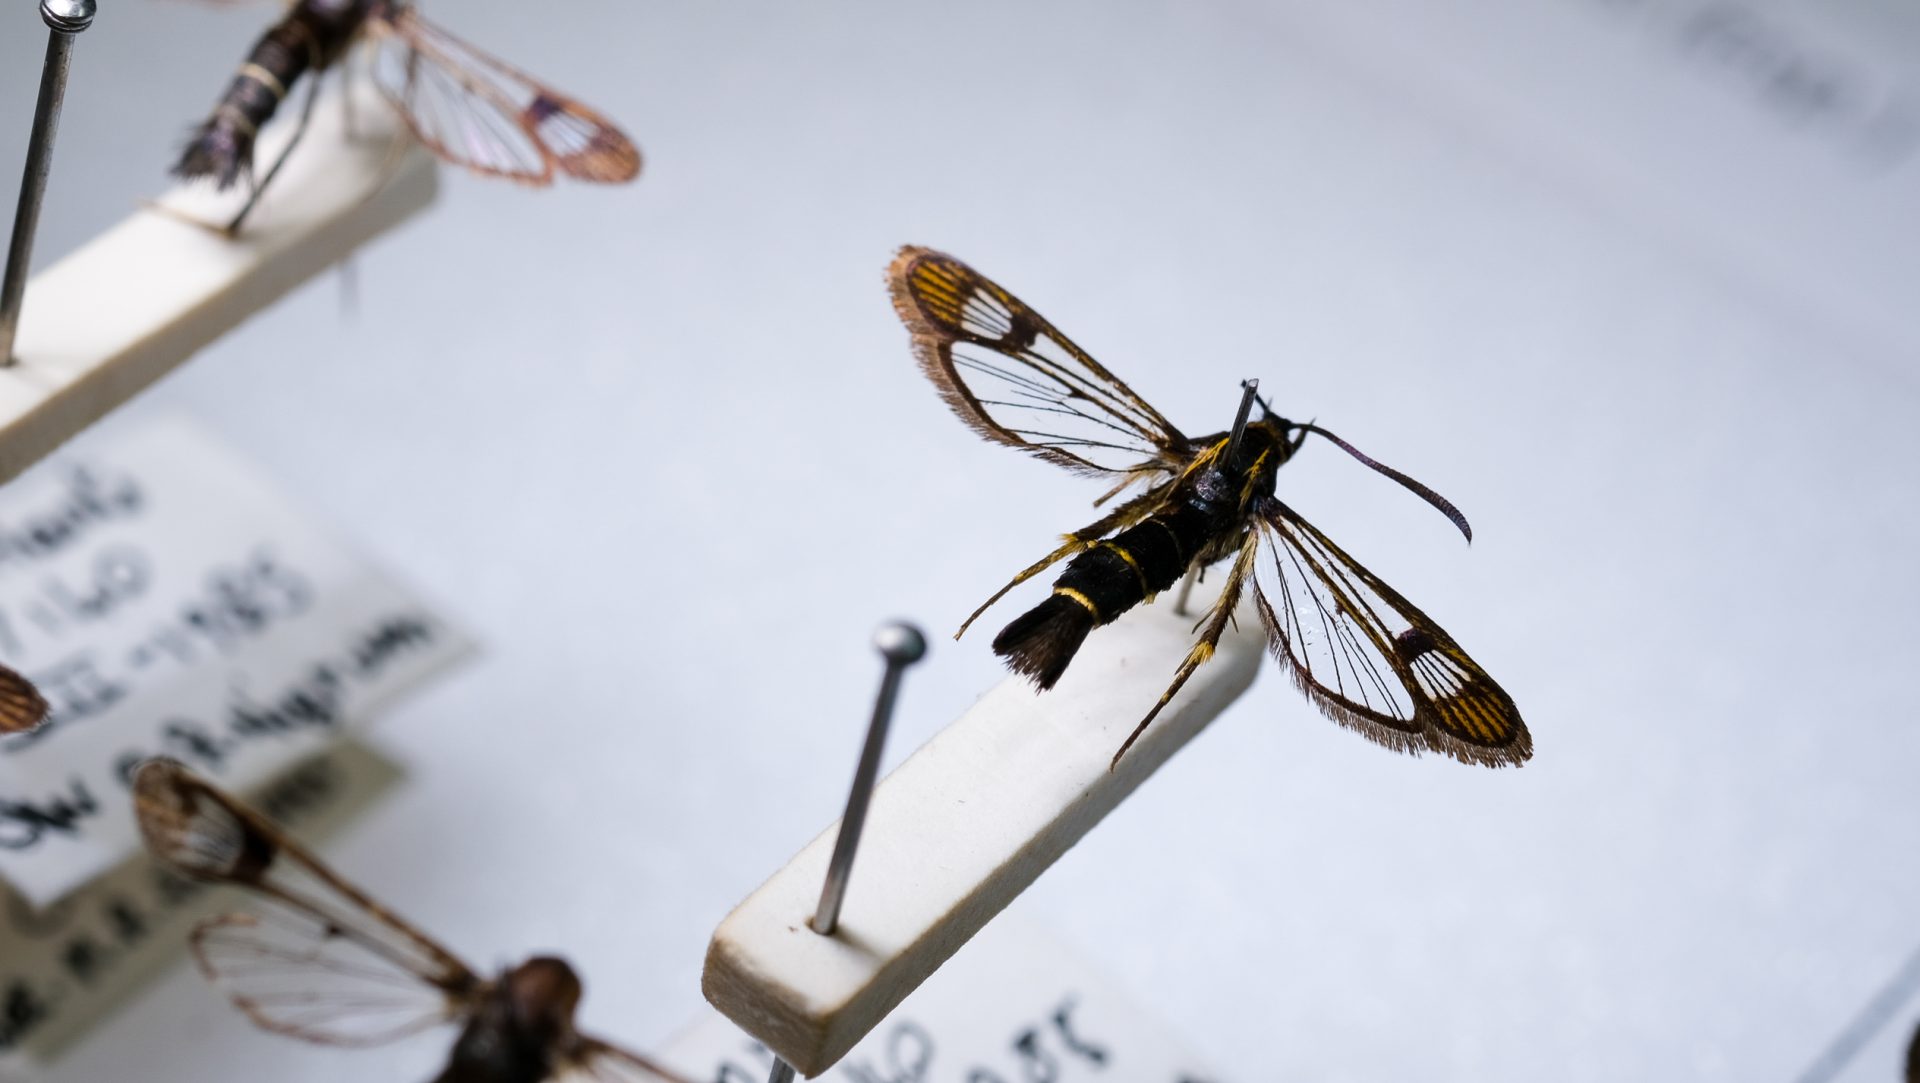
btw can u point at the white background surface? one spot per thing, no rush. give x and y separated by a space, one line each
664 450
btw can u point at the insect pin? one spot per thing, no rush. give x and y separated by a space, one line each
325 963
1367 657
467 107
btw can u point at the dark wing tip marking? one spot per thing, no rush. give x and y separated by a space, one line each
929 289
606 157
1473 719
166 797
195 829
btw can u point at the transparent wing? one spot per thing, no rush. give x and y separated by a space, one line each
292 974
1015 379
481 113
602 1062
325 963
22 707
1369 659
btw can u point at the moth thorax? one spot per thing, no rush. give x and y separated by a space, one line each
543 991
1214 487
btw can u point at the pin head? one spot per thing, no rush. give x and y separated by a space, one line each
900 643
67 16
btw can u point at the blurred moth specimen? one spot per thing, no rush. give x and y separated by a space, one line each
22 707
1363 654
325 963
467 107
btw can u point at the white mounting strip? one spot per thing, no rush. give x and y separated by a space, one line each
127 307
960 829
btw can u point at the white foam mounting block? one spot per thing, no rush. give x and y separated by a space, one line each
128 306
960 829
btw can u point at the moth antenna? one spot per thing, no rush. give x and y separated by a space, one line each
1416 488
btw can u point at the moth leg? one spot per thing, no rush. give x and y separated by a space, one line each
1113 492
397 144
259 186
1186 590
348 81
1125 515
1217 624
1073 545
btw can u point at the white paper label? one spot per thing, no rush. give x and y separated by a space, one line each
1012 1006
168 600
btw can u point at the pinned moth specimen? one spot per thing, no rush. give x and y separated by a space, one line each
325 963
22 707
1362 653
465 106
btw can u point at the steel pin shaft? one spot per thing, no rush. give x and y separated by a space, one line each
900 645
65 19
1248 389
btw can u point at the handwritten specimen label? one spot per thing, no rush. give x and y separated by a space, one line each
169 601
1013 1006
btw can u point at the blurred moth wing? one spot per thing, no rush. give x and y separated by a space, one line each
324 963
476 111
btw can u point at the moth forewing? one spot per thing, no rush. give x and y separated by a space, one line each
479 112
1015 379
1370 659
324 961
291 972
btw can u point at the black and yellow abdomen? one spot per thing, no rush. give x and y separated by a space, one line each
310 37
1136 564
1105 581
